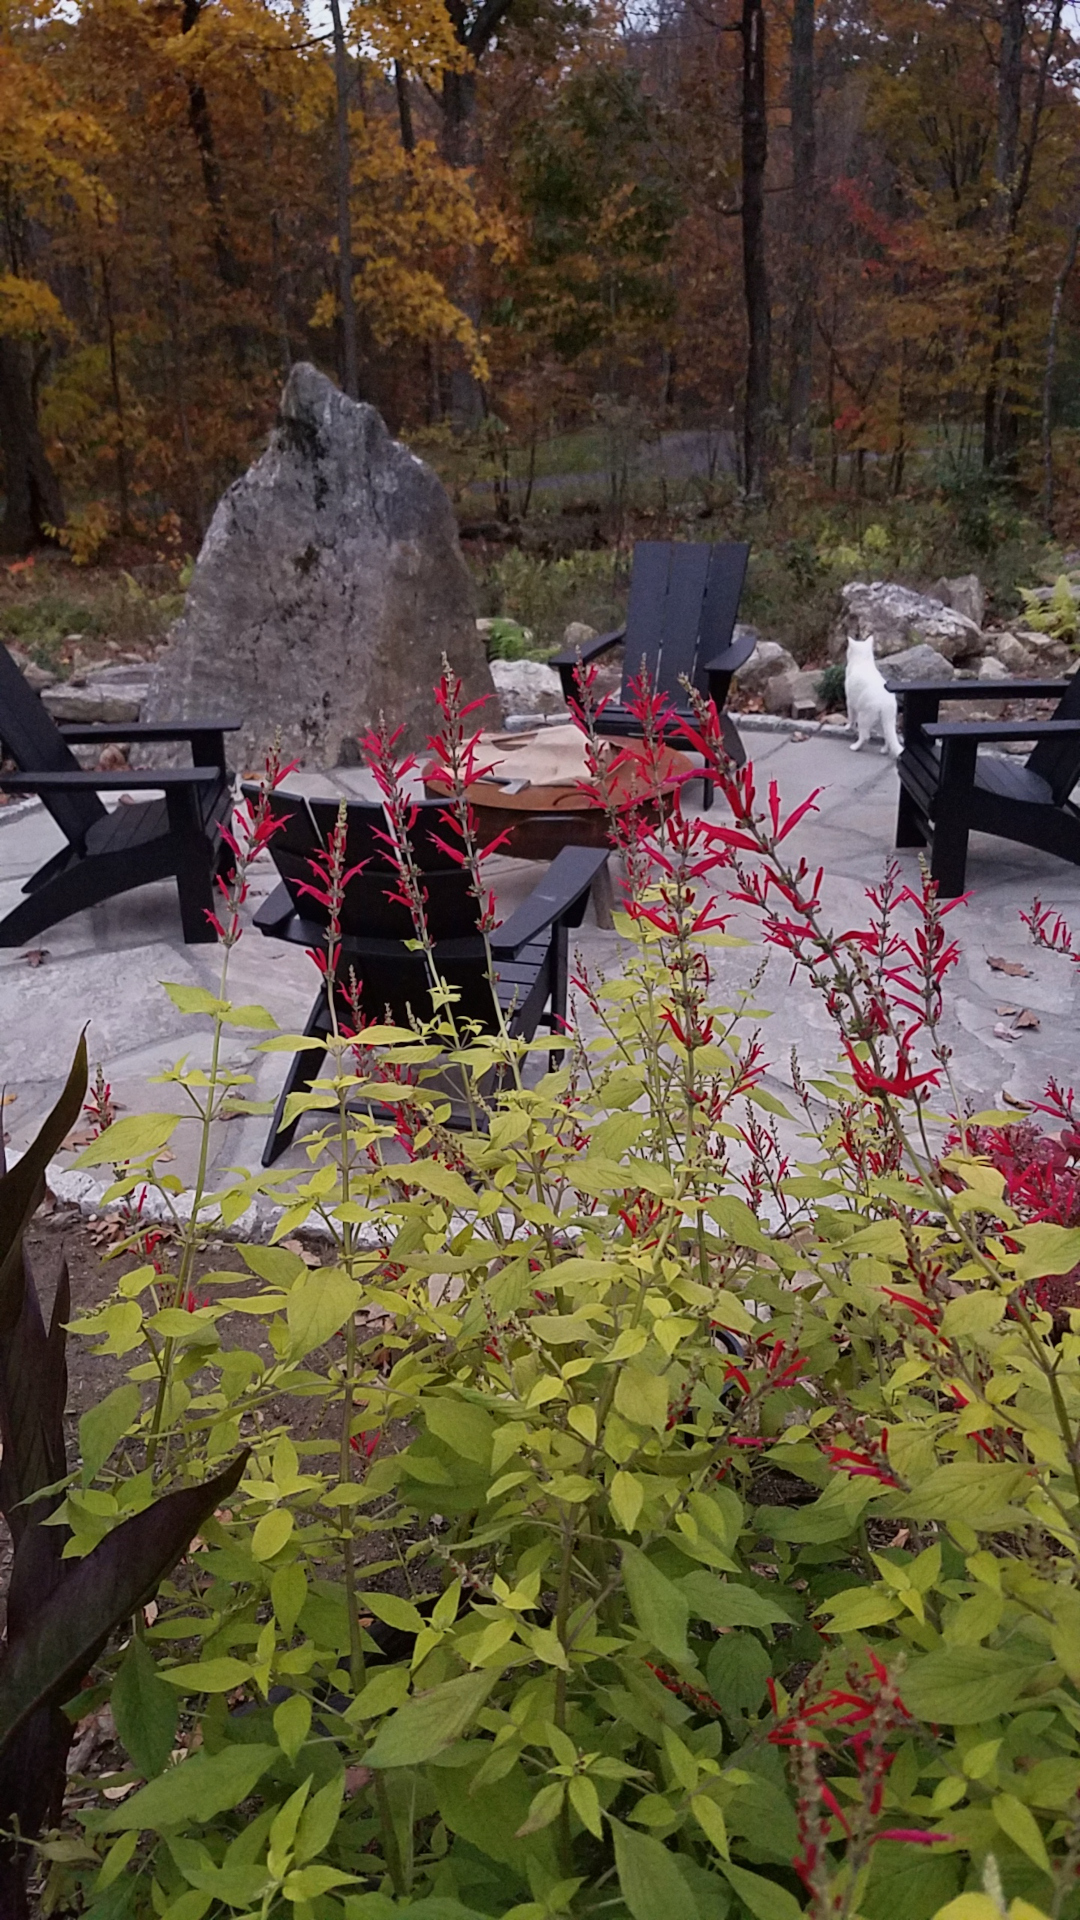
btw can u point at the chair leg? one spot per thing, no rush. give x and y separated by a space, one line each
909 831
194 865
948 853
305 1068
948 859
559 979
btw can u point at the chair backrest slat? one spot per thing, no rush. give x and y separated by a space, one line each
35 743
684 599
688 572
369 909
1058 761
645 612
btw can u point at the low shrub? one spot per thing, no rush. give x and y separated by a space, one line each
544 595
688 1519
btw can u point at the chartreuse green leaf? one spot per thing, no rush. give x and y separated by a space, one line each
642 1398
103 1425
961 1686
430 1721
660 1608
292 1723
198 1789
138 1137
319 1305
318 1820
144 1708
1022 1828
764 1898
649 1877
194 999
219 1675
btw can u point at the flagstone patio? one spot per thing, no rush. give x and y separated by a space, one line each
103 968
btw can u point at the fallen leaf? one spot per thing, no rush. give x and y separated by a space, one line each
1002 1032
78 1140
1029 1021
120 1793
1010 1012
36 956
112 758
1011 1100
1015 969
309 1259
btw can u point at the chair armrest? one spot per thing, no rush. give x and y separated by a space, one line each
140 780
567 881
145 730
275 912
1001 729
589 650
567 662
982 689
734 656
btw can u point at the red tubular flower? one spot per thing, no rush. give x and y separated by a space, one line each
902 1084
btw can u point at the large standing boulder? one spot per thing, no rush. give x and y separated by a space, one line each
896 617
328 588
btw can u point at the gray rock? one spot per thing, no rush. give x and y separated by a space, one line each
328 588
1050 655
37 677
805 698
918 663
991 668
965 594
896 618
1011 652
578 634
527 686
94 704
778 693
768 659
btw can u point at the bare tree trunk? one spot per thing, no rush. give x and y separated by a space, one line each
755 152
32 499
350 358
1009 102
199 120
404 105
803 164
1012 168
1047 432
458 101
122 483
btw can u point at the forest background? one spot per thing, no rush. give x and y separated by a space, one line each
820 252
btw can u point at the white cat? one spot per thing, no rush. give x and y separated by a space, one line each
870 705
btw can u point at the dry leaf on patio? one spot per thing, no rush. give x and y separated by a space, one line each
1014 968
1029 1021
1011 1100
309 1259
36 957
1002 1032
85 1139
1009 1012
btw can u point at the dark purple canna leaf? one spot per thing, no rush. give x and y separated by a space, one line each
22 1187
47 1662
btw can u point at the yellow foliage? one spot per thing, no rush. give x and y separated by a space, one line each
29 307
413 217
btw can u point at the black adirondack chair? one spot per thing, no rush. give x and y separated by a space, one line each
683 602
529 950
109 853
948 789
